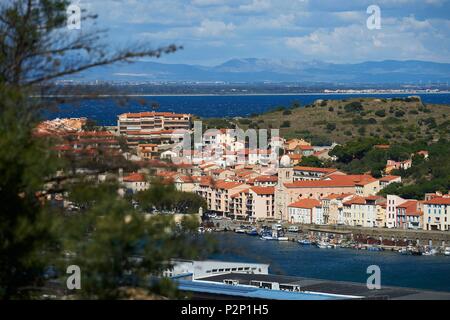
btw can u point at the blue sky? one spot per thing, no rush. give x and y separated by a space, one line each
214 31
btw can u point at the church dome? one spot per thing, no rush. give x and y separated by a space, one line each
285 161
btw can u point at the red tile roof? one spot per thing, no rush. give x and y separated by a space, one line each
266 179
235 195
439 200
186 179
206 181
355 200
315 169
382 146
389 178
305 203
153 114
263 190
362 200
134 177
335 181
411 207
337 196
227 184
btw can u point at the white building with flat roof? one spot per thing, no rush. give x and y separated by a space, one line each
207 268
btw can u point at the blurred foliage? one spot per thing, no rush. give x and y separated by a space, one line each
27 240
164 197
116 245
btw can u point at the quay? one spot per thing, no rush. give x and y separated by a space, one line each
394 238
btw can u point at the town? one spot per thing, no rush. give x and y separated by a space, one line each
244 182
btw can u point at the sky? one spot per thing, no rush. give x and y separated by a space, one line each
214 31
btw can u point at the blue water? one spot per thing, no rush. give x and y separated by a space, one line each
290 258
105 111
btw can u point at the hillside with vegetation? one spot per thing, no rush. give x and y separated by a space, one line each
427 175
326 121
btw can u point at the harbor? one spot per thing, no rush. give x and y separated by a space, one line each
406 242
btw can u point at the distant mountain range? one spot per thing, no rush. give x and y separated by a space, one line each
267 70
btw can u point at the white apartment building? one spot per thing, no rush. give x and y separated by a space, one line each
436 214
306 211
151 127
362 211
255 203
152 121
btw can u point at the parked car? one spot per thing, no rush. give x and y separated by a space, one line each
292 229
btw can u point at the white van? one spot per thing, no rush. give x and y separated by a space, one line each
293 229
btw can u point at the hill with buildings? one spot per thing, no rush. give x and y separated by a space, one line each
373 136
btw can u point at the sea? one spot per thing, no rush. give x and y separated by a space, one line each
105 110
290 258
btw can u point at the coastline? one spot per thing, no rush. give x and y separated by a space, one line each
237 94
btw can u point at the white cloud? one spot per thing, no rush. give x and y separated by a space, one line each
210 28
256 6
398 39
208 2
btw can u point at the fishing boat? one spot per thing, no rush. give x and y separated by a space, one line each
410 251
252 232
274 235
322 245
304 242
447 251
240 230
430 252
267 237
375 249
279 235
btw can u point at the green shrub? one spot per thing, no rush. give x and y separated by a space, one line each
331 126
286 124
362 130
399 113
380 113
245 121
353 107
